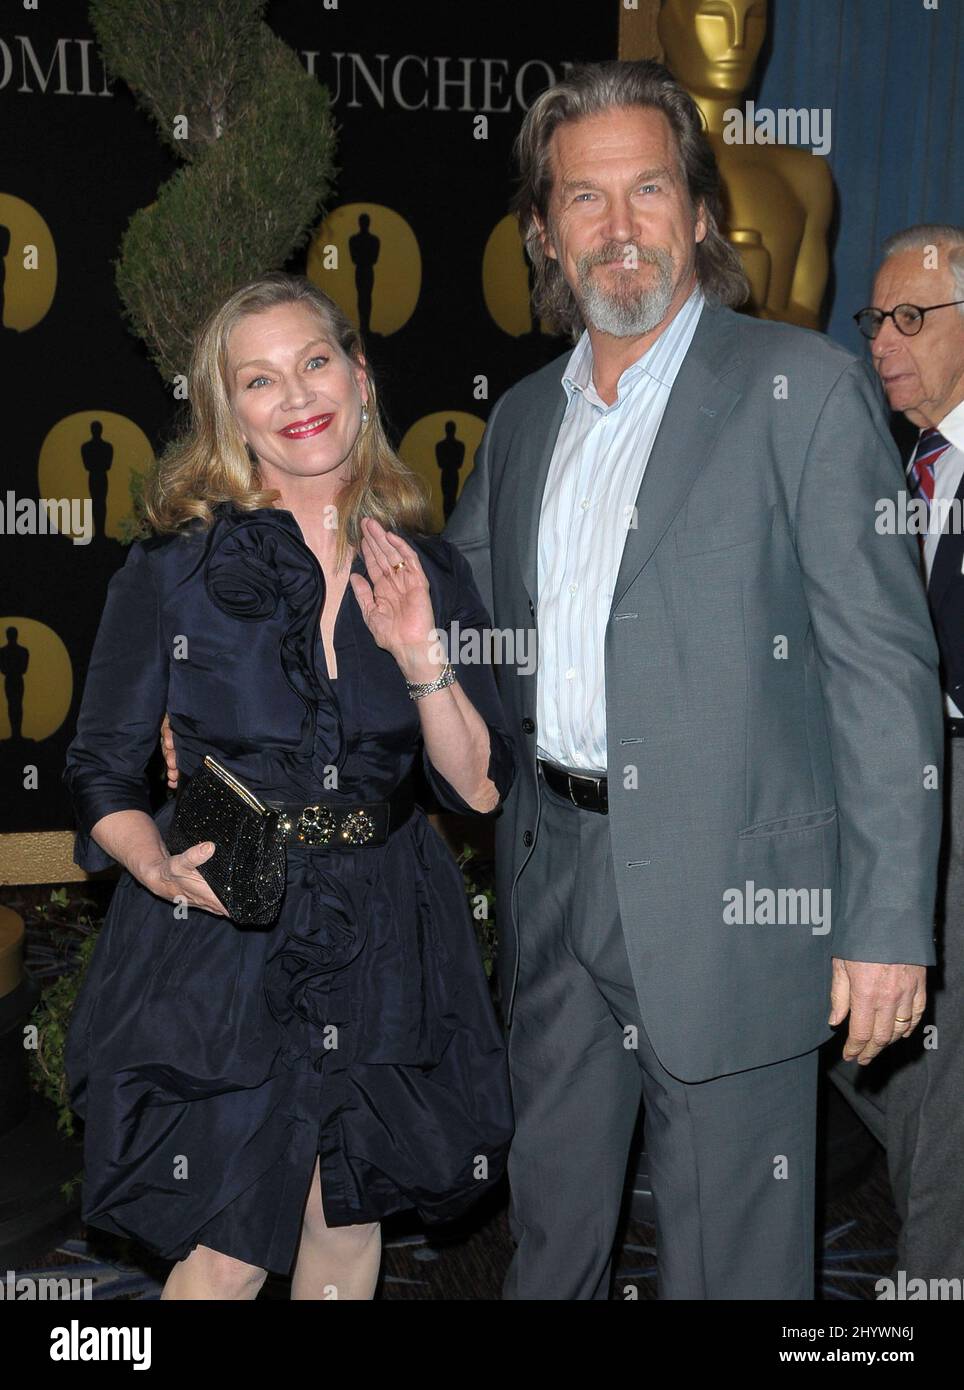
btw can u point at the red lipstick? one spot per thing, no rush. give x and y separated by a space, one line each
307 429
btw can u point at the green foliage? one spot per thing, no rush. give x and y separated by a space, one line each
51 1015
477 873
186 59
258 149
134 526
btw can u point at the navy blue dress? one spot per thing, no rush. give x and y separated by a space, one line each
212 1063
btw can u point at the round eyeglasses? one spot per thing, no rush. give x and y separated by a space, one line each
908 318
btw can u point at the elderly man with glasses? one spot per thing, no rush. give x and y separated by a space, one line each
916 329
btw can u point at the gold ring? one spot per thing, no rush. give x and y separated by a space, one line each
902 1020
399 566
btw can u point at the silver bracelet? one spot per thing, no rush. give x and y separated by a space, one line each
417 690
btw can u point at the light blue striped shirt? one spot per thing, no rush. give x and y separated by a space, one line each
594 477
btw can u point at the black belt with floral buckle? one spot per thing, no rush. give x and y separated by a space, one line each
344 824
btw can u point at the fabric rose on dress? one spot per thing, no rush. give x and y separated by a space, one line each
256 563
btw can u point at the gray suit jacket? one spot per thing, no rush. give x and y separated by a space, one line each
736 758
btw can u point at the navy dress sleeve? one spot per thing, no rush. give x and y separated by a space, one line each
478 681
123 704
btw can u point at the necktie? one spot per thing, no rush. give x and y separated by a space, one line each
930 445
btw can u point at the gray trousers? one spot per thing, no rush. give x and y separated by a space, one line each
731 1159
924 1095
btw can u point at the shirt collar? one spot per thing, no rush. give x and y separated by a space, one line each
658 361
952 426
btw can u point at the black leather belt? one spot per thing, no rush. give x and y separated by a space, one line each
344 824
585 790
954 728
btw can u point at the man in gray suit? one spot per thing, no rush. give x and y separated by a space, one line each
724 829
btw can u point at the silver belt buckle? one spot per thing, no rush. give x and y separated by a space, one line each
586 777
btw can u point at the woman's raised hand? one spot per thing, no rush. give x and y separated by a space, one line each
397 604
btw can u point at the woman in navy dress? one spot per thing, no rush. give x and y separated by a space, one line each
260 1098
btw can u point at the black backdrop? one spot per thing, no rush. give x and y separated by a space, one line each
79 158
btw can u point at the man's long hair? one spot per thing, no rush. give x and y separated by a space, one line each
588 90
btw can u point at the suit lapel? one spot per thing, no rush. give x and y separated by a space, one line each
947 560
697 409
542 430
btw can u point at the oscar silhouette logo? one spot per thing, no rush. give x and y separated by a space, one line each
28 266
367 258
93 455
38 681
507 281
440 448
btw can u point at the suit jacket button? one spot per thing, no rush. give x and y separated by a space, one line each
531 609
528 726
527 838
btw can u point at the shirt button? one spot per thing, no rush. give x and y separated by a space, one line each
584 503
570 673
572 588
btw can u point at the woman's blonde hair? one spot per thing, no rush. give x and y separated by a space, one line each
211 463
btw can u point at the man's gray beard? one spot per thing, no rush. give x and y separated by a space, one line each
625 317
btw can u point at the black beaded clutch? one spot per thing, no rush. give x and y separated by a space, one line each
247 868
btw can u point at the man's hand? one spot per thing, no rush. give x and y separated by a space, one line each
885 1002
167 748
